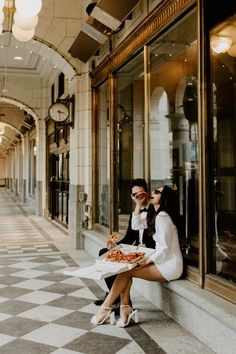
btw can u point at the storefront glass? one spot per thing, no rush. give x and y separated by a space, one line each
223 127
102 211
130 137
174 153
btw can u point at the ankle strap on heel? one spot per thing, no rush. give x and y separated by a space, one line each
106 307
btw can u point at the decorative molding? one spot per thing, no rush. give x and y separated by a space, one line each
159 18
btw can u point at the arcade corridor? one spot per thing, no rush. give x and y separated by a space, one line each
44 311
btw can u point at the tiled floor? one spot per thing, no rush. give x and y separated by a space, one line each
44 311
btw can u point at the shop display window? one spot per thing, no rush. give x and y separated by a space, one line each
174 153
222 122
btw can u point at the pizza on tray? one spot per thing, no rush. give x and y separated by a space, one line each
124 257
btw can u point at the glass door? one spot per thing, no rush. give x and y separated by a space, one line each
59 186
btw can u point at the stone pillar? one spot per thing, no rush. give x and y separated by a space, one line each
16 187
181 142
40 166
17 169
13 157
80 160
25 163
7 171
76 216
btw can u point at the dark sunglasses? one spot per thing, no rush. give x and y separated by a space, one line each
156 191
133 194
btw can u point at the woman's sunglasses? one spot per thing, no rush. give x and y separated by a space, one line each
156 191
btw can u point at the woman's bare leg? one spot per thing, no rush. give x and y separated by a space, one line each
123 282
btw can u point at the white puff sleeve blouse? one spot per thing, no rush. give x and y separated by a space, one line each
167 256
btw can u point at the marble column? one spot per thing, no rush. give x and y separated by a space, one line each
40 167
80 160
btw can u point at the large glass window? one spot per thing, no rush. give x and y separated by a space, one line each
102 211
173 123
223 127
130 127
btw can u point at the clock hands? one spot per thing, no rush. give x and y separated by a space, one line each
59 112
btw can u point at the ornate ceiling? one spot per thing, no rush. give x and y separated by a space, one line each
46 55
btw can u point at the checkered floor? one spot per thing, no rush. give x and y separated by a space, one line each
27 248
44 311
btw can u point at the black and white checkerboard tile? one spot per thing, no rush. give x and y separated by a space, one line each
44 311
27 248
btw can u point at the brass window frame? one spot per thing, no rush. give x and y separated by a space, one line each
202 115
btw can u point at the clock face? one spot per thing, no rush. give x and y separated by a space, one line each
59 112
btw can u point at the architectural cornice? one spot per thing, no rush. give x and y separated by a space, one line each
164 14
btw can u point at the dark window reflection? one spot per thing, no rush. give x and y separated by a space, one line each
223 63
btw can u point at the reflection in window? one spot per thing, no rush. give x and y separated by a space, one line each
102 216
130 121
173 123
223 64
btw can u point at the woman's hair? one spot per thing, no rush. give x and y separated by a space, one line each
169 204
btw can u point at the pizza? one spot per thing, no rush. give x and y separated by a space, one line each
143 196
112 238
124 257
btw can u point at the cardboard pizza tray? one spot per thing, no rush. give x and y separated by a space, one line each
102 268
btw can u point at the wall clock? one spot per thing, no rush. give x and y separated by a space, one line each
59 112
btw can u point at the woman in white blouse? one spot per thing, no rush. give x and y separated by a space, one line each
165 264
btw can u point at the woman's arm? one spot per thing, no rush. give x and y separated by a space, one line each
139 221
163 237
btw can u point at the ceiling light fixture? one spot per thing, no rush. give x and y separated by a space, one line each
22 15
18 58
220 44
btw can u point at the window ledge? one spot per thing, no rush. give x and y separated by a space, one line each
213 304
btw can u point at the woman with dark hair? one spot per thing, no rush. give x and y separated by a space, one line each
165 264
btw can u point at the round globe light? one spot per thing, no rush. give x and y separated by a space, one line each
2 4
1 17
21 35
25 23
220 44
28 8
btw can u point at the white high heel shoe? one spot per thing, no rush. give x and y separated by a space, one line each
110 315
134 314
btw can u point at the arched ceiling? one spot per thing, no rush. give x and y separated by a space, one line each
14 122
46 54
59 24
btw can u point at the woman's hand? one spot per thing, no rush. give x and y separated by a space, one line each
111 241
111 244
